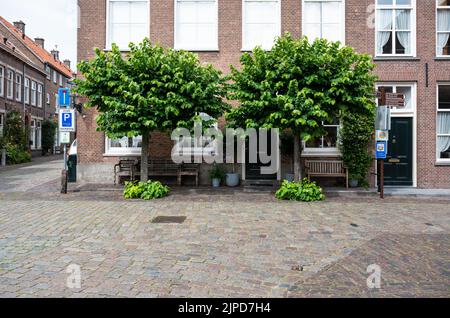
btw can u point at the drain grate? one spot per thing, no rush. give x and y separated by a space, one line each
169 219
354 225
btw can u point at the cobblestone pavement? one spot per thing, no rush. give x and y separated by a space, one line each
232 244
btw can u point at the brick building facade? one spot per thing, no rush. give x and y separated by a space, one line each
409 40
37 73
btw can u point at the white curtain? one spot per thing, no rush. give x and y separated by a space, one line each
443 142
443 25
384 23
403 23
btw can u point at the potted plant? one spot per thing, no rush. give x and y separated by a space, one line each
232 179
217 175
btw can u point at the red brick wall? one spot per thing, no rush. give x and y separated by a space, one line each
358 34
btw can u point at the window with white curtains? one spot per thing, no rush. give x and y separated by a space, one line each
196 25
395 27
128 21
33 93
443 123
18 87
443 27
324 19
261 23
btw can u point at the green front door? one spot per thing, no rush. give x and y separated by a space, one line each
398 165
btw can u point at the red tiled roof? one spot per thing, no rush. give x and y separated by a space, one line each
41 53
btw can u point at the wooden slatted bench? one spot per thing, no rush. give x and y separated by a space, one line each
125 168
326 168
167 168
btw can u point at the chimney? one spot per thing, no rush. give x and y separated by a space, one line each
55 54
20 25
67 63
40 42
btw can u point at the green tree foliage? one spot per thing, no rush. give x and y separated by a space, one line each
356 135
14 139
150 89
298 85
48 136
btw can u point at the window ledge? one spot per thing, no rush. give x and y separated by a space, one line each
197 50
442 163
442 58
121 155
395 58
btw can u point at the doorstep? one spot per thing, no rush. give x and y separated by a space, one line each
350 193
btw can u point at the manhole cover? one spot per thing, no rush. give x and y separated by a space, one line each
169 219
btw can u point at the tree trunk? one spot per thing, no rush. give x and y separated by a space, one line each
144 156
297 153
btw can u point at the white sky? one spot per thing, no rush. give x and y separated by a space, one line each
53 20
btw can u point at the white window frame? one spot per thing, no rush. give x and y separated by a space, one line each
342 17
2 80
108 22
40 91
213 47
33 96
438 157
394 7
244 45
323 152
48 99
10 84
395 85
18 84
60 80
26 96
438 7
120 151
55 77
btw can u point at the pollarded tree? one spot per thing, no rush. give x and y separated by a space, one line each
149 89
298 85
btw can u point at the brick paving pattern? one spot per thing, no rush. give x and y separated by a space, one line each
232 244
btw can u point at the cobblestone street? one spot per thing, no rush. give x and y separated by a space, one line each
232 243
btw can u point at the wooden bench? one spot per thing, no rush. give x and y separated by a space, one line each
125 168
167 168
326 168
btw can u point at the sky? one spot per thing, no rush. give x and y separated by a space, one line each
53 20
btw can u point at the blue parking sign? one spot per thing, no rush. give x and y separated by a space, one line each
381 150
64 97
67 120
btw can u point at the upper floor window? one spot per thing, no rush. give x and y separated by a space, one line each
55 77
196 25
39 95
48 99
128 21
33 93
26 96
60 80
443 123
261 23
18 87
47 71
10 85
2 80
443 27
324 19
395 27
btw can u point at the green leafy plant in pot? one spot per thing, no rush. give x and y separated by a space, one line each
216 174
